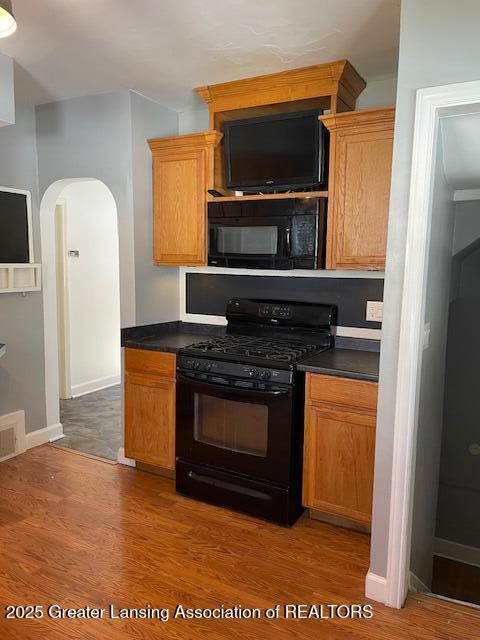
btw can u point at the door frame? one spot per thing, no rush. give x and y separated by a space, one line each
63 307
432 103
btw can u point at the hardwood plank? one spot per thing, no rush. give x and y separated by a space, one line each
79 532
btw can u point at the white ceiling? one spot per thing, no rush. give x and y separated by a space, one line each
164 48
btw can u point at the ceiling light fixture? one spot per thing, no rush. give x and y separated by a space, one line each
8 24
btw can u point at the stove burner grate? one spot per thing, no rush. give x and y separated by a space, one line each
257 347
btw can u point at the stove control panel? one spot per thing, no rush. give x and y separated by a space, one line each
262 374
210 369
280 311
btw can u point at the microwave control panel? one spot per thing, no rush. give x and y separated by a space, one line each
283 311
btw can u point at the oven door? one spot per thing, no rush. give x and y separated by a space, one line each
241 430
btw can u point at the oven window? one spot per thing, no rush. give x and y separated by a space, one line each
236 426
247 240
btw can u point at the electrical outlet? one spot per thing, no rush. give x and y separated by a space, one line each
374 311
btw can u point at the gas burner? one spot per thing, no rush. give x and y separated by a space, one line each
282 350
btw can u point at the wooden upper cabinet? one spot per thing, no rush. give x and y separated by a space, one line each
359 187
182 173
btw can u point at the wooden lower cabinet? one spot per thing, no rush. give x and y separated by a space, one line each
149 387
340 417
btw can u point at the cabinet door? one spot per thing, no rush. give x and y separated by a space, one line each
361 144
339 462
179 208
150 419
362 193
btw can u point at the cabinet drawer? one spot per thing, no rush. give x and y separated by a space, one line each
358 394
150 362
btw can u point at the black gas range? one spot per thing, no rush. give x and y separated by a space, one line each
240 402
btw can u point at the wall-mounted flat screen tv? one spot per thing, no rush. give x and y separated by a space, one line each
15 226
280 152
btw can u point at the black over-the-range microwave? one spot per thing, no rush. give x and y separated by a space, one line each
268 234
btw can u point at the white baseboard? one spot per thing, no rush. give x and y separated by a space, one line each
457 551
416 585
41 436
376 587
121 459
94 385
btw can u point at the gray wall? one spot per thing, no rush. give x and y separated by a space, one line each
22 375
90 137
467 224
430 417
458 516
439 44
156 288
101 136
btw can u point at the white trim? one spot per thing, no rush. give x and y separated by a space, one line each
47 210
431 104
359 332
456 551
375 587
201 318
416 585
63 299
42 436
121 459
29 218
454 601
463 195
94 385
286 273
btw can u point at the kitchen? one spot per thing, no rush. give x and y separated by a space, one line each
269 384
253 453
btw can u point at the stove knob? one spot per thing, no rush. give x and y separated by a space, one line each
253 373
265 374
207 366
196 364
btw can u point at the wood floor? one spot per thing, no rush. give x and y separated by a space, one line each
79 532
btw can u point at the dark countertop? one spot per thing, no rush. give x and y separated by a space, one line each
347 363
168 336
351 358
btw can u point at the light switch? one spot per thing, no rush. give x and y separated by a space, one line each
374 311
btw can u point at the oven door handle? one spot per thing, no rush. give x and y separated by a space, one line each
212 385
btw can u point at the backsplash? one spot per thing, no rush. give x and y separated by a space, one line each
207 293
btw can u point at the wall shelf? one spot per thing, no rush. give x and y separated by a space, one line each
20 278
270 196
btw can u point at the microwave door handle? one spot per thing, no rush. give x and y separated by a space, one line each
288 241
223 387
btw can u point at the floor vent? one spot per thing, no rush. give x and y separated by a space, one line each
12 435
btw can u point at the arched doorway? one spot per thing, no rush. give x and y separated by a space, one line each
79 235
